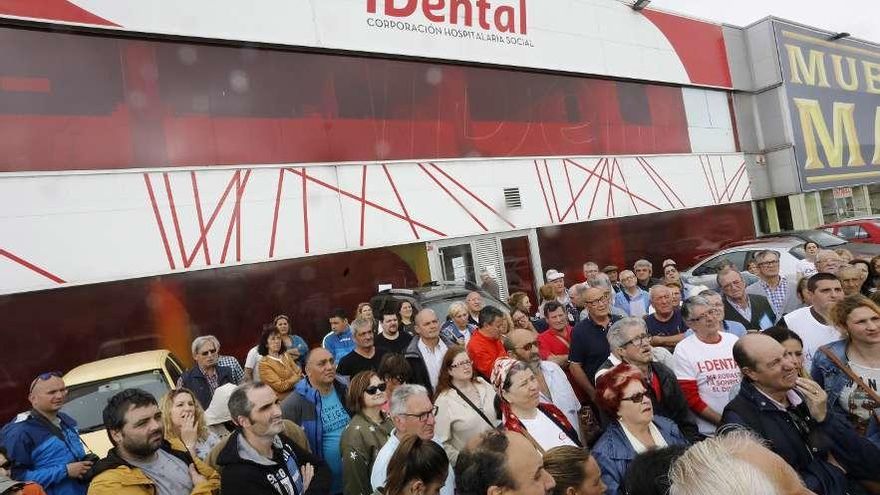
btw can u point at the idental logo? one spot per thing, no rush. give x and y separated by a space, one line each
504 18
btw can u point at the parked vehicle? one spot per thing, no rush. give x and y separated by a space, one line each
433 295
91 385
789 245
862 230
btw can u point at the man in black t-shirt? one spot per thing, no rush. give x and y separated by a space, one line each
365 356
391 339
665 326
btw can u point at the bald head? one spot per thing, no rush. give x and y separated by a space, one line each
764 361
48 395
427 325
522 344
320 367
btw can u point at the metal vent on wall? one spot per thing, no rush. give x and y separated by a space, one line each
512 198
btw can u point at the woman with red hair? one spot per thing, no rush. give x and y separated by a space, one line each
543 424
621 393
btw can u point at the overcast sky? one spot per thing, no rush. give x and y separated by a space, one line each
860 18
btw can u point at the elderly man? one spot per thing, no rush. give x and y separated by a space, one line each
591 269
589 347
850 280
474 303
813 323
716 302
630 343
665 325
553 383
488 283
556 279
792 414
485 345
827 261
753 311
207 374
502 462
578 308
317 404
632 299
426 350
643 270
703 364
365 356
141 462
612 271
780 291
413 413
43 444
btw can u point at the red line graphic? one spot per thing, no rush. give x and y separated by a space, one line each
708 183
275 216
570 191
204 238
174 219
552 191
736 177
32 267
363 204
596 191
626 186
195 187
660 177
161 226
581 190
543 191
400 201
305 208
476 198
610 193
448 192
632 195
712 175
235 218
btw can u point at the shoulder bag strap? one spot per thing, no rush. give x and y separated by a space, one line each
473 406
851 374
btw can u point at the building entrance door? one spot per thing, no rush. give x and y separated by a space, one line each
499 263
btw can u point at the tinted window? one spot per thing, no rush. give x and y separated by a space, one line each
824 239
174 369
86 402
711 267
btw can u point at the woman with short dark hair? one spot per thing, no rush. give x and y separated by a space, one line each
277 368
366 433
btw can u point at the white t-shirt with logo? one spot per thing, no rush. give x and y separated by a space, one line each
712 367
546 432
812 332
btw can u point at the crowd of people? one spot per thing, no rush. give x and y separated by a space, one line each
620 384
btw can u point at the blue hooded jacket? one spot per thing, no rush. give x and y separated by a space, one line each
40 452
303 407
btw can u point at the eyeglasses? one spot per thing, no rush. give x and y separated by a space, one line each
6 465
44 376
528 346
768 263
706 315
422 417
603 299
208 352
638 340
375 389
735 283
636 398
462 363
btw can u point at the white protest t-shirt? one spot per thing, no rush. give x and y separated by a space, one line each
545 432
813 333
712 367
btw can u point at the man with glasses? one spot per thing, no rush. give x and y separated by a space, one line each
704 365
553 383
204 378
753 311
779 290
413 414
317 404
630 343
589 347
43 444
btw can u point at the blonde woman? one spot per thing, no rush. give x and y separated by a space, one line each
185 426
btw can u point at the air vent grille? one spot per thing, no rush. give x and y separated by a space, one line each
512 199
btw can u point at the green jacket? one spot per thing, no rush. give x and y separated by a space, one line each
360 444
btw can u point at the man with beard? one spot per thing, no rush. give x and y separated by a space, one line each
258 459
141 461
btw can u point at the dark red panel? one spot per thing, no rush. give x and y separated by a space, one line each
699 45
56 10
90 102
680 235
60 329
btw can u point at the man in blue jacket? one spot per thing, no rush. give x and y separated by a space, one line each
792 414
44 445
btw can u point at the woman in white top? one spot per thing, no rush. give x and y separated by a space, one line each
465 403
807 266
621 393
543 424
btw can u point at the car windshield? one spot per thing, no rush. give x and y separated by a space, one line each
441 306
824 239
85 403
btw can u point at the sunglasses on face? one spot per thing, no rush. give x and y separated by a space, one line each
636 398
208 352
6 465
43 377
528 346
375 389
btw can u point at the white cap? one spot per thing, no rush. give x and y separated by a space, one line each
218 411
552 275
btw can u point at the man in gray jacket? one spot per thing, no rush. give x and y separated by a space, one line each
780 291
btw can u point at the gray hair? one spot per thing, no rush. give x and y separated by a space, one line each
615 334
654 289
361 323
690 304
578 289
202 340
643 263
239 404
591 263
601 281
823 254
402 394
715 465
708 293
764 253
725 272
456 306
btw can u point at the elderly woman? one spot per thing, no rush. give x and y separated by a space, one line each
543 424
856 356
622 395
457 330
185 426
277 368
366 433
574 470
465 403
